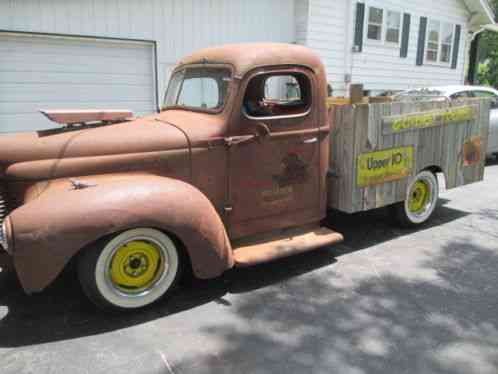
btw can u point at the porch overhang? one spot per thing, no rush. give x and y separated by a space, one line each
491 27
481 14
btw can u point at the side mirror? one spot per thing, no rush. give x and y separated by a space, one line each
494 103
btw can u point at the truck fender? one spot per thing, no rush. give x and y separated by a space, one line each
49 230
433 169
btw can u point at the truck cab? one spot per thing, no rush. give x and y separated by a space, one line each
269 102
231 172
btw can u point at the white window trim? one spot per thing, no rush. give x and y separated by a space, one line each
383 41
440 44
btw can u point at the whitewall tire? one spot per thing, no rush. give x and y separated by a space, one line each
422 195
131 270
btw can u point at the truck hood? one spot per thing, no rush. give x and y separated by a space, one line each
141 135
56 154
144 135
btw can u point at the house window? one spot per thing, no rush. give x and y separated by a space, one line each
375 22
393 30
446 42
384 25
439 42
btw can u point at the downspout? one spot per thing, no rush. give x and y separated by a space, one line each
473 59
348 47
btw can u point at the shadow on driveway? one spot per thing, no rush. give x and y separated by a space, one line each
62 312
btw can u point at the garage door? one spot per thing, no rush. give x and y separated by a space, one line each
40 72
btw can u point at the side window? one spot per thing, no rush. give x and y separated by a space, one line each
485 94
488 95
277 95
460 95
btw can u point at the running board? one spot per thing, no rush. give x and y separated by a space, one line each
284 244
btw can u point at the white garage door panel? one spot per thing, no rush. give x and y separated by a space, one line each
30 77
66 73
78 47
87 92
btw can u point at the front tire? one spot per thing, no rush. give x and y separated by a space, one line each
421 199
131 270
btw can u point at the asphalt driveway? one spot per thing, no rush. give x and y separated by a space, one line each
385 301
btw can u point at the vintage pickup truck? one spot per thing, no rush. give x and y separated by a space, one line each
235 170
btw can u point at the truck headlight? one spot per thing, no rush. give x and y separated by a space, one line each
5 234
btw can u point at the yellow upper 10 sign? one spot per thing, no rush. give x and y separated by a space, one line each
384 166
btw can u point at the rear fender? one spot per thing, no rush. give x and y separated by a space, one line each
49 230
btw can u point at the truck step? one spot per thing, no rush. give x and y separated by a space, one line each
283 244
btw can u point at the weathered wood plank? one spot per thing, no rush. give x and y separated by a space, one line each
361 130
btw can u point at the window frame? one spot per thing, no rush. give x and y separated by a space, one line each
493 97
456 95
384 26
440 43
369 9
197 109
400 29
281 73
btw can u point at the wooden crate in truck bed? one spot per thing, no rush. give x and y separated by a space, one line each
376 149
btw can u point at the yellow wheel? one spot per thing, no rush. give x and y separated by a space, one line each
421 199
419 196
132 270
136 266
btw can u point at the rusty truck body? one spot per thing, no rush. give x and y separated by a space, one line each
226 174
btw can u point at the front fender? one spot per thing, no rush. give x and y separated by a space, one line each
50 230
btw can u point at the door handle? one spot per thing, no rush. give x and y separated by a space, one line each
235 140
310 141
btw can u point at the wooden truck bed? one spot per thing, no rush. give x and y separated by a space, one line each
377 148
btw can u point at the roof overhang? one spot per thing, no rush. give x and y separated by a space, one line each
481 13
491 27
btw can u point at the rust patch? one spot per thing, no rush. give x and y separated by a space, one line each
472 151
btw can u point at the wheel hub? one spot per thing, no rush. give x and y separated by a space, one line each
419 197
135 266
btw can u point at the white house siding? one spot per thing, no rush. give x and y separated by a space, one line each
381 68
178 26
328 33
301 9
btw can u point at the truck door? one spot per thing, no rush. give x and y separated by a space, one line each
274 163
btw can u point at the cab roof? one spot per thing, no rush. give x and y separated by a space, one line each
247 56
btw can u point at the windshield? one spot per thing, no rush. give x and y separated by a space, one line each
202 88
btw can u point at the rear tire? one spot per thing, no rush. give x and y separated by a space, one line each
131 270
421 199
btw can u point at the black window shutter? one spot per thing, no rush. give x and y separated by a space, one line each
358 29
456 46
405 38
422 31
